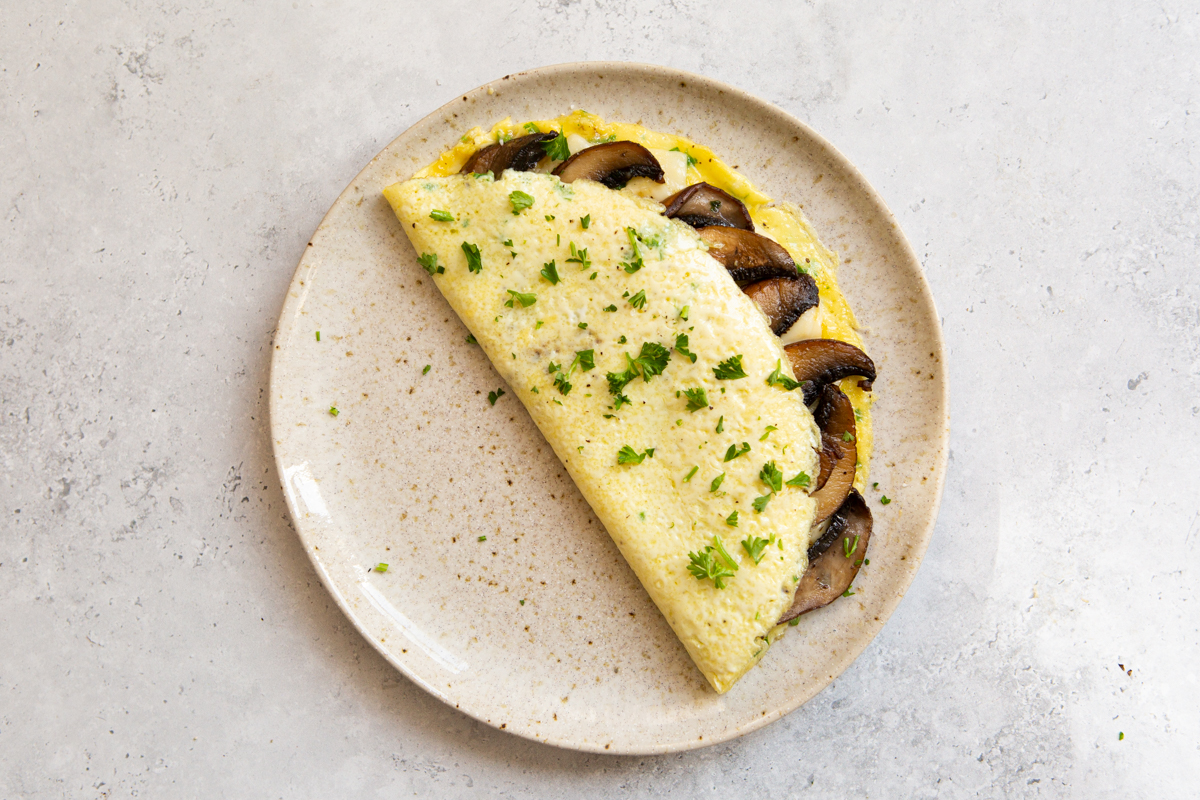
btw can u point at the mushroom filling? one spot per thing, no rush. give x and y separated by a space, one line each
834 559
835 418
521 154
784 300
747 256
701 205
613 164
818 362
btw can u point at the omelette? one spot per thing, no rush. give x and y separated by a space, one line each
657 381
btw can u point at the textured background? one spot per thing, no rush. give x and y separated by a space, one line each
161 166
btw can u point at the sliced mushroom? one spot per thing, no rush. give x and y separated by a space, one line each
612 164
830 571
521 154
835 418
702 204
748 256
823 361
783 300
828 455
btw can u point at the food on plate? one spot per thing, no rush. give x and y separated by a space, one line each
601 279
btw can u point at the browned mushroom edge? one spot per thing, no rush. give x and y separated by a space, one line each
703 204
830 571
824 361
521 154
835 418
748 256
828 455
784 300
614 164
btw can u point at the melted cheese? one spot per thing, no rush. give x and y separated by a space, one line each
655 514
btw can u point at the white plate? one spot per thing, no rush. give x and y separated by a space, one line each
541 629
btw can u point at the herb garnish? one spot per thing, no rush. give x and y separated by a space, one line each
771 476
610 308
716 483
557 148
427 368
520 201
471 339
550 272
381 567
849 548
754 547
847 436
697 399
494 396
627 455
721 424
705 565
770 429
524 299
683 313
652 359
730 369
441 216
778 378
319 339
586 221
638 300
732 520
428 262
760 503
474 261
681 346
884 500
333 411
579 257
801 480
733 451
691 160
688 477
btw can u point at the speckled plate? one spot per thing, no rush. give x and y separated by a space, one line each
541 629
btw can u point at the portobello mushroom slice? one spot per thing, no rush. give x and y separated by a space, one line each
824 361
613 164
702 204
783 300
830 571
521 154
835 418
828 455
747 255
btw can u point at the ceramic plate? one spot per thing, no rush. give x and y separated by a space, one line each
540 628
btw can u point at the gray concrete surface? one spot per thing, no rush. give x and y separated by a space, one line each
161 165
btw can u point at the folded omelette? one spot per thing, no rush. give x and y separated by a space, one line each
656 380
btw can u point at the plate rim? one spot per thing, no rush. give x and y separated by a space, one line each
295 297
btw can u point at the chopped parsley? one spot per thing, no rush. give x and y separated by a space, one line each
627 455
848 593
721 424
771 476
529 126
681 346
549 218
730 369
428 262
319 339
638 300
801 480
690 474
849 547
520 201
494 396
847 436
716 567
716 483
427 368
732 520
692 160
523 299
754 547
617 382
586 359
381 567
557 148
778 378
538 324
586 221
622 340
652 359
481 539
760 503
561 383
441 216
471 339
683 313
550 273
333 411
770 429
696 399
474 261
884 500
579 257
733 451
610 308
582 326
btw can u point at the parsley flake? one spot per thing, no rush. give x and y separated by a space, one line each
638 300
622 340
716 483
732 520
848 593
847 436
771 476
691 160
627 455
550 273
683 313
652 359
690 474
579 257
428 262
319 339
610 308
333 411
471 339
441 216
721 424
849 548
770 429
520 201
529 126
760 503
494 396
884 500
801 481
381 567
733 451
716 567
681 346
586 221
730 369
474 261
696 399
523 299
754 546
778 378
481 539
427 368
557 148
